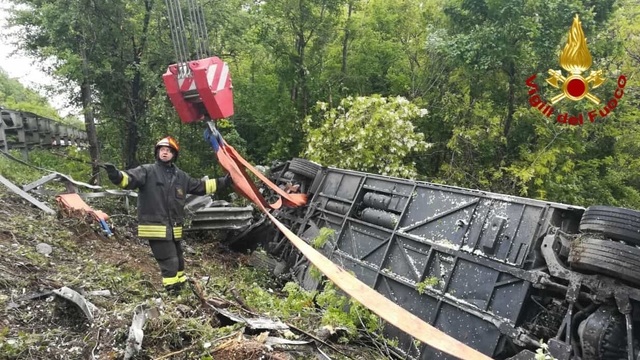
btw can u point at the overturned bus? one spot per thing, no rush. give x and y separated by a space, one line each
500 273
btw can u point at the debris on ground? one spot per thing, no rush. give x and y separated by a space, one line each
67 291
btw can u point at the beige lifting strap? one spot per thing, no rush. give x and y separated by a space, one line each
376 302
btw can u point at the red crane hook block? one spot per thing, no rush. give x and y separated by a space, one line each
199 88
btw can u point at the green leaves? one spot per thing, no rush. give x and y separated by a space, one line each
371 134
467 60
15 96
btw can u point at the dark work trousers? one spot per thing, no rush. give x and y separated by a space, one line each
168 254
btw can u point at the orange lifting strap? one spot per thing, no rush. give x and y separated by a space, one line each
237 167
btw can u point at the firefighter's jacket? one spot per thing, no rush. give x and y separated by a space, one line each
161 197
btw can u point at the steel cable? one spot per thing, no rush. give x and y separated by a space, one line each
11 157
195 29
186 72
172 28
206 32
178 36
204 38
183 37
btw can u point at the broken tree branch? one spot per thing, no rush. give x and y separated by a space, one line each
166 356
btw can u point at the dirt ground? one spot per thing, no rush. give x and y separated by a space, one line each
35 324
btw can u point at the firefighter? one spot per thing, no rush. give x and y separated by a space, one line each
162 189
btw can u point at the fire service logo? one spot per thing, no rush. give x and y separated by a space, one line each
575 59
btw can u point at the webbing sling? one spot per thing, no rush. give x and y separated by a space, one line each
395 315
236 166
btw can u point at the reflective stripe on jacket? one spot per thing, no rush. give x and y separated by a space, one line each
162 190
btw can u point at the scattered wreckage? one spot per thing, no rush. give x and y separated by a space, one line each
74 305
503 274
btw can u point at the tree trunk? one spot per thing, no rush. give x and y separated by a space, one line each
345 41
89 123
302 77
131 144
137 105
297 90
510 100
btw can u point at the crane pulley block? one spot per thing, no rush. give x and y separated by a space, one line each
199 88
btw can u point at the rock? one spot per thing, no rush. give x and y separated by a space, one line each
324 333
281 266
44 249
329 333
288 334
184 309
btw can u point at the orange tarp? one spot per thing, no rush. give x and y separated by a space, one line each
75 202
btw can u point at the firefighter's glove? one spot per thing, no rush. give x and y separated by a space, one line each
224 182
114 175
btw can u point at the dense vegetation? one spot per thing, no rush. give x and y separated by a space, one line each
461 65
15 96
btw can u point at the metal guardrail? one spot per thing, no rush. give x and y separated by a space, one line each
222 218
25 130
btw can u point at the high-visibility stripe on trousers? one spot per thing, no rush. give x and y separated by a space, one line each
159 232
169 256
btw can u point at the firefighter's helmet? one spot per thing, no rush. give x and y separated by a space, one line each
170 143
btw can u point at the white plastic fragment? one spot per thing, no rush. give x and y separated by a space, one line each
134 340
87 308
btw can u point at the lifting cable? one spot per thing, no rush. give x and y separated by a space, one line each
178 36
197 30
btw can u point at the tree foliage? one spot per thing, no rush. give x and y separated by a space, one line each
466 61
370 134
14 96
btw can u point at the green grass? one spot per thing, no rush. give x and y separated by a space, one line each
184 322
